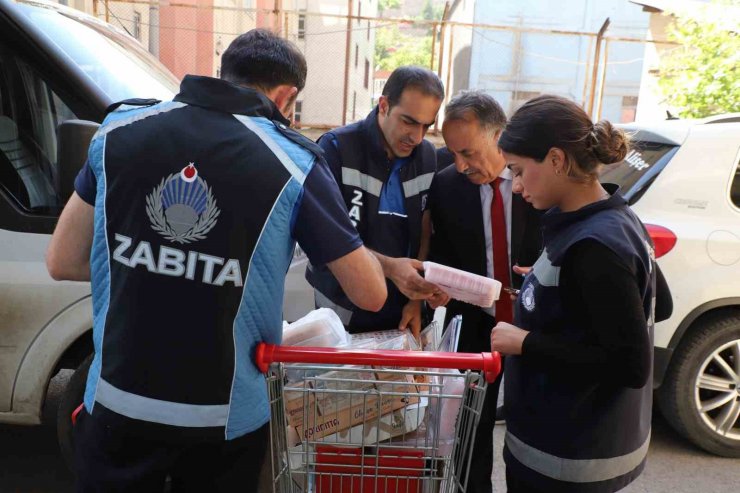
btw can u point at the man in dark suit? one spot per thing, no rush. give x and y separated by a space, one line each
470 203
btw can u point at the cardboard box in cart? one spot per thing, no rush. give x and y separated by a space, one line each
340 400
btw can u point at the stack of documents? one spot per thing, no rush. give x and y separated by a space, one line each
464 286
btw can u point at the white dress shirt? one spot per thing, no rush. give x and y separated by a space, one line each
486 197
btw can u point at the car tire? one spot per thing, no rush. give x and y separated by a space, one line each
70 400
715 342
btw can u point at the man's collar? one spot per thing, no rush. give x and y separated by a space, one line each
221 95
377 141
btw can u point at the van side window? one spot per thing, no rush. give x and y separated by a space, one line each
30 112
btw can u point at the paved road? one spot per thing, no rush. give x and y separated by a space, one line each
30 463
674 466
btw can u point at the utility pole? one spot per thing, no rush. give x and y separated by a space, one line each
154 29
442 28
347 54
595 73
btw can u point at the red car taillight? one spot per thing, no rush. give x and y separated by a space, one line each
663 238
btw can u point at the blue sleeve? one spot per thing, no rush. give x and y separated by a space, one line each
328 142
322 227
86 185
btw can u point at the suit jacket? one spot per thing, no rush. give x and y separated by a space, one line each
458 240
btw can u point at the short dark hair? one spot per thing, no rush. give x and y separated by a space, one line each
260 58
412 77
479 105
553 121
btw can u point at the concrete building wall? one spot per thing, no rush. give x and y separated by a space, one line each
456 48
362 62
516 66
229 21
187 51
132 18
323 41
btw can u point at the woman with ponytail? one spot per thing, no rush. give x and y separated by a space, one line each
578 387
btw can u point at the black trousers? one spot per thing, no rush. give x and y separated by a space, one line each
110 460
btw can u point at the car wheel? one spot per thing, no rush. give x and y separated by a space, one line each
700 396
70 400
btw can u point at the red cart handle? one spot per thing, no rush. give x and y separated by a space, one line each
488 363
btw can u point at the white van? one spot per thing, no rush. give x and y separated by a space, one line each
59 71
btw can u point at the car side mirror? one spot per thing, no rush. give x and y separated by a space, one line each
73 140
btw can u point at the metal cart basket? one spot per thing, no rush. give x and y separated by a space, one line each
373 421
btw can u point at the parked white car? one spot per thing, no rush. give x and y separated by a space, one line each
683 181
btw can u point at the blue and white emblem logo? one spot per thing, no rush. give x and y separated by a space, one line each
182 207
528 298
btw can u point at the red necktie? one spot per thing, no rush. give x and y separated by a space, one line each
504 311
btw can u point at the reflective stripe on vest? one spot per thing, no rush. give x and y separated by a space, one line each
278 151
373 186
323 302
159 411
354 178
417 185
547 274
575 470
137 116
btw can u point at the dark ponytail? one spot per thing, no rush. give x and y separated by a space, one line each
553 121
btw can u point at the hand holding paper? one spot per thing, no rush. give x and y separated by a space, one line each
464 286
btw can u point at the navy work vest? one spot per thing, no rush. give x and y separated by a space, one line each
364 169
193 210
578 436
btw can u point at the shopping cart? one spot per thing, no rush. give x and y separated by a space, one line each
393 421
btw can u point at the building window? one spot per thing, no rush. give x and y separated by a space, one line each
297 112
379 83
359 11
629 101
357 55
354 105
629 109
301 26
137 26
367 73
368 30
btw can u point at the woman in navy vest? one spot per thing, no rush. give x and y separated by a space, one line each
578 392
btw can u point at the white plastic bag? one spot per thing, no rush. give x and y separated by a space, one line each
319 328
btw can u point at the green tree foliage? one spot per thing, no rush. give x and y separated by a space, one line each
388 4
701 77
431 11
394 49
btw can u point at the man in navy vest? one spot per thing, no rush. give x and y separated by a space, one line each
185 218
384 168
